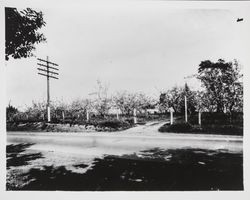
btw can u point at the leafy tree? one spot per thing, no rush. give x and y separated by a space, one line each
202 102
162 102
171 98
221 81
10 112
22 32
175 98
191 100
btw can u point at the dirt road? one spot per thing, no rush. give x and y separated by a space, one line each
134 139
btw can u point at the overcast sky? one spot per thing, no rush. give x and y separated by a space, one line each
141 47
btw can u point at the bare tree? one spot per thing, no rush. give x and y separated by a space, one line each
102 102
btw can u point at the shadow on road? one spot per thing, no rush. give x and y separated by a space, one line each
152 170
16 157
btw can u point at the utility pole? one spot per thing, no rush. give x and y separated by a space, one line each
48 72
185 97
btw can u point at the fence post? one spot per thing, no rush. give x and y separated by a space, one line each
117 114
186 117
199 117
87 115
135 119
171 115
63 116
48 113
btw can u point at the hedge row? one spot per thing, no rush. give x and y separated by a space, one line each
205 129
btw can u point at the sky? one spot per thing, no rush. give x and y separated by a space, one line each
144 47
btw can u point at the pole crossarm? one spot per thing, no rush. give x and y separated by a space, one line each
48 75
47 66
47 61
44 70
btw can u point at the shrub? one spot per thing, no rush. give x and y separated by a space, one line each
223 129
115 124
213 118
205 129
176 128
130 120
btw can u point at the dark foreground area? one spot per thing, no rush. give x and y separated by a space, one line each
149 170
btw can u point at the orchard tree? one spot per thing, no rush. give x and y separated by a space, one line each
127 102
102 102
79 107
36 111
59 107
121 101
21 32
222 84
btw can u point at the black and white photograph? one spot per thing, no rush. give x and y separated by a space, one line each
125 96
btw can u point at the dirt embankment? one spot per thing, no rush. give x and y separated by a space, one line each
50 127
53 127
